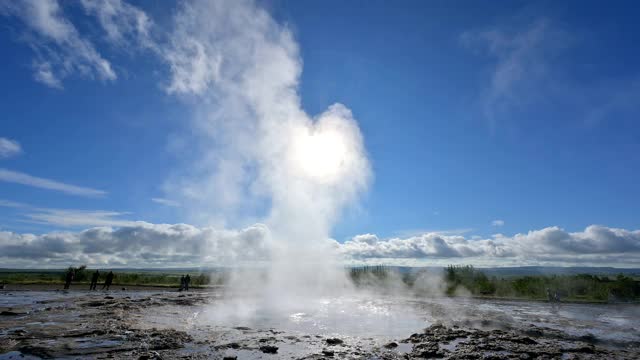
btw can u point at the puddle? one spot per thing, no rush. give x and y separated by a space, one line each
17 355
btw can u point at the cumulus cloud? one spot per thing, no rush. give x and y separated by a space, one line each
59 48
9 148
497 223
26 179
137 245
142 244
596 244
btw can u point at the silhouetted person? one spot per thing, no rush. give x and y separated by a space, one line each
187 280
556 296
181 283
68 278
108 280
549 295
94 280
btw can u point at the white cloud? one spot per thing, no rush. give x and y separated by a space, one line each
60 50
70 218
166 202
140 244
416 232
26 179
522 63
528 69
9 148
123 23
596 244
77 218
13 204
497 223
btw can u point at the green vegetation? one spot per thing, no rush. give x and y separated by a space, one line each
583 287
31 277
467 280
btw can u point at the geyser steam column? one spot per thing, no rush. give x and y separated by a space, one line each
324 169
242 70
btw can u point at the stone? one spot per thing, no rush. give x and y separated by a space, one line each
269 349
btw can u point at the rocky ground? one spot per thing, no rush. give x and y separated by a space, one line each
141 325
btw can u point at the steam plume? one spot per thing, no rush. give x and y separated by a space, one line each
259 146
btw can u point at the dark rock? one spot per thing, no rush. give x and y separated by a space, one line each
11 313
242 328
109 297
586 349
96 303
523 340
152 355
37 351
328 353
391 345
590 338
230 357
334 341
269 349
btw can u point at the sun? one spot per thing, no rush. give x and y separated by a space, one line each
320 155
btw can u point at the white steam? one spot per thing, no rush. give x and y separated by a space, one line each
241 69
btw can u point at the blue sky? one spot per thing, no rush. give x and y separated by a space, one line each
477 118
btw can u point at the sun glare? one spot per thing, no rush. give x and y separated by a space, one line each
320 155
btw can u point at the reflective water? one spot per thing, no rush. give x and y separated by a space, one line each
386 317
365 316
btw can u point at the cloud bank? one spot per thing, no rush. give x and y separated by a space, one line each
139 244
142 244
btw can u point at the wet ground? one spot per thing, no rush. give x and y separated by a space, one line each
158 323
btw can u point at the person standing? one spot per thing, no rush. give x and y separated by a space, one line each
187 280
108 280
68 278
94 280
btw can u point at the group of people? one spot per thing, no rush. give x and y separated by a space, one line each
70 276
553 297
185 280
107 282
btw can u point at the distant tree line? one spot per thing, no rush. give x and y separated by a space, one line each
467 280
584 287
